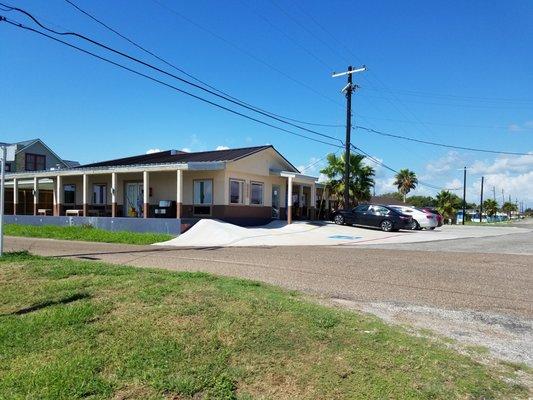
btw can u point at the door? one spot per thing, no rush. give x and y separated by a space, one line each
376 214
275 201
358 215
133 199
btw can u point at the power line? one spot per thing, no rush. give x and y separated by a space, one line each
144 49
442 144
19 25
434 123
318 161
381 163
170 74
458 97
247 53
482 106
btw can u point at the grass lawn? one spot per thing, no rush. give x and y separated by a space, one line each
74 329
85 233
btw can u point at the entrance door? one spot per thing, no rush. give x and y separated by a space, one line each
275 201
133 199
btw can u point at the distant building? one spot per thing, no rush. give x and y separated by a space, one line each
35 155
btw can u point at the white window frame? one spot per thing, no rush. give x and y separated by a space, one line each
252 183
210 205
241 190
103 188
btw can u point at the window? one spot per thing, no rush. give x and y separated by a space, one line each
236 191
256 193
202 196
69 194
203 191
100 193
378 210
35 162
361 208
8 167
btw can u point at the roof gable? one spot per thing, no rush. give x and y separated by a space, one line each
173 156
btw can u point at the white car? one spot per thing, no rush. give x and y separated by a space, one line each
421 219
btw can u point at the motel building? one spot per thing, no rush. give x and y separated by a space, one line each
247 186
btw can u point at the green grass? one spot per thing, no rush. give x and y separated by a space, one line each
71 329
85 233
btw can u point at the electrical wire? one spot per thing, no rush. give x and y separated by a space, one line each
247 53
144 49
19 25
441 144
382 164
99 44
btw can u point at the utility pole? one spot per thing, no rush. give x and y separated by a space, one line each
464 196
481 201
348 89
3 154
494 192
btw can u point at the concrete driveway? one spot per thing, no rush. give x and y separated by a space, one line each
476 298
209 232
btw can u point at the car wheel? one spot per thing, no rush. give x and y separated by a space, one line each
432 228
416 225
339 219
386 226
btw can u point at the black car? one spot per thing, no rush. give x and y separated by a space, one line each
378 216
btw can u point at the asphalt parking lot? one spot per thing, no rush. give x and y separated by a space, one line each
519 243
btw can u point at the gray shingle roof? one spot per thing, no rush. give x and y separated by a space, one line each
173 156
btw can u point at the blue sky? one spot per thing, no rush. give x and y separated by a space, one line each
454 72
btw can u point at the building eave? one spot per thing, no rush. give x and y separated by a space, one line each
192 166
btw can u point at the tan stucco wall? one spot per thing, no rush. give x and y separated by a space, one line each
255 168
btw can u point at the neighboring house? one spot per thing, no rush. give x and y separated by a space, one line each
35 155
245 185
32 155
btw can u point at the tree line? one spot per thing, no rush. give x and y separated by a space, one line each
362 182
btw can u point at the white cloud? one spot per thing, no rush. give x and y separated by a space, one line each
312 167
515 164
222 148
445 163
186 150
385 185
528 125
151 151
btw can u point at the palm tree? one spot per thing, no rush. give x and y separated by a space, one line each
405 181
361 177
490 206
447 204
508 208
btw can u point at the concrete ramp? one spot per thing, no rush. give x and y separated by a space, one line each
215 233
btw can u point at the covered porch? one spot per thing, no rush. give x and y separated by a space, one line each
189 190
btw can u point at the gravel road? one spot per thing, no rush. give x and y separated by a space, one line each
400 286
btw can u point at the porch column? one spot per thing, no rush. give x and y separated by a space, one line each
85 193
313 202
146 194
301 200
35 194
113 194
54 197
289 200
59 195
15 195
179 192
